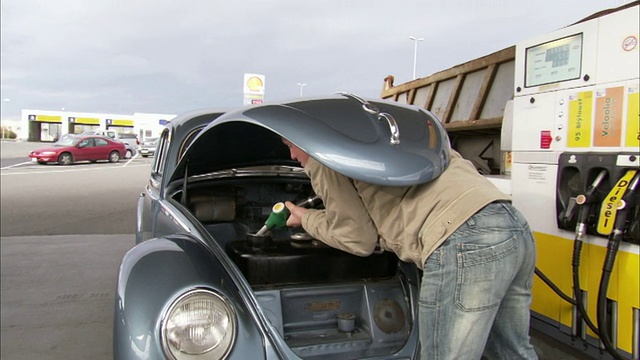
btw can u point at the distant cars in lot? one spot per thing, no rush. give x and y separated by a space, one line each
111 134
75 148
148 147
130 139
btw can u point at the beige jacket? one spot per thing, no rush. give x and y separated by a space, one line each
411 221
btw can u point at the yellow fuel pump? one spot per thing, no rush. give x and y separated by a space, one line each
576 150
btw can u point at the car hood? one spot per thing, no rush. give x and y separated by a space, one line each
54 148
351 135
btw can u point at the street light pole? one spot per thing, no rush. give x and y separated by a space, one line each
301 86
415 53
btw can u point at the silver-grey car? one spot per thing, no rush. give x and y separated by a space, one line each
148 147
201 284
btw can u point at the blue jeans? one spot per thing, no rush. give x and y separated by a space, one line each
476 289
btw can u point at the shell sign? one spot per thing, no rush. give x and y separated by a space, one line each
253 89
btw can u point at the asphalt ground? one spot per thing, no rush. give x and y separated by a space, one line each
58 269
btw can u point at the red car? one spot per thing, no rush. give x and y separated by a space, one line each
74 148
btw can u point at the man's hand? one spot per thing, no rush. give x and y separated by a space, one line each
295 219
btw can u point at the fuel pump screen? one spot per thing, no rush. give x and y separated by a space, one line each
554 61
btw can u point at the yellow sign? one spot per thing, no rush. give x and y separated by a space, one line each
122 122
87 121
632 138
49 118
610 204
580 115
253 89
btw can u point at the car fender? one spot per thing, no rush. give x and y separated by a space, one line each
156 272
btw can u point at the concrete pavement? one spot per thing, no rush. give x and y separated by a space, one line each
58 295
10 149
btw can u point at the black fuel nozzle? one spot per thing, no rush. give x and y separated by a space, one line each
584 201
628 202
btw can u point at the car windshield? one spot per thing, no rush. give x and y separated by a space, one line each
67 141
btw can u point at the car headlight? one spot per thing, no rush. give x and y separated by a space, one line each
48 153
200 322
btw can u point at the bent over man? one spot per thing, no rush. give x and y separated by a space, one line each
475 249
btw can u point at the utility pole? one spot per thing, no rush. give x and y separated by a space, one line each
415 53
301 86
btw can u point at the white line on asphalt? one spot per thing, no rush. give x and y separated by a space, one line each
14 165
64 171
130 160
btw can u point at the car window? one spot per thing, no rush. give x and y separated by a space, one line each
161 154
67 141
187 141
102 142
111 134
86 143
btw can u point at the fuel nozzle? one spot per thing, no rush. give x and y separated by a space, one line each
277 218
279 214
611 204
584 201
627 203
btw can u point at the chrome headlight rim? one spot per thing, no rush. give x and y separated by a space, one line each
179 301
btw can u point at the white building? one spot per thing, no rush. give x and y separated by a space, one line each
47 125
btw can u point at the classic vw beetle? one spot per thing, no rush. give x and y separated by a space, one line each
200 284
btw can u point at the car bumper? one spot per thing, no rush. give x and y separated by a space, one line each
42 158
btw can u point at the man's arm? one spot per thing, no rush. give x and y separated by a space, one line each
345 223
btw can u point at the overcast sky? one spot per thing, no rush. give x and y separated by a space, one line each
171 56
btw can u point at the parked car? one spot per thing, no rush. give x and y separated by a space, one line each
75 148
111 134
131 139
148 147
130 151
200 283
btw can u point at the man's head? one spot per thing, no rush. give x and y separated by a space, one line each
296 153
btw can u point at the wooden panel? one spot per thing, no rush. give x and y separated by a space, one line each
470 94
465 97
499 93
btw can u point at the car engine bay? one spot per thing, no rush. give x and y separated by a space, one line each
324 302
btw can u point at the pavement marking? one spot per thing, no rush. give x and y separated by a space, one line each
15 165
64 171
130 160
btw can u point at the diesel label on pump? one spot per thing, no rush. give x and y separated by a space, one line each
610 204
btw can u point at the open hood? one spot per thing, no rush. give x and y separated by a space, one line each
375 141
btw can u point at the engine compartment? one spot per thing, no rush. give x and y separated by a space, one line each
324 302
